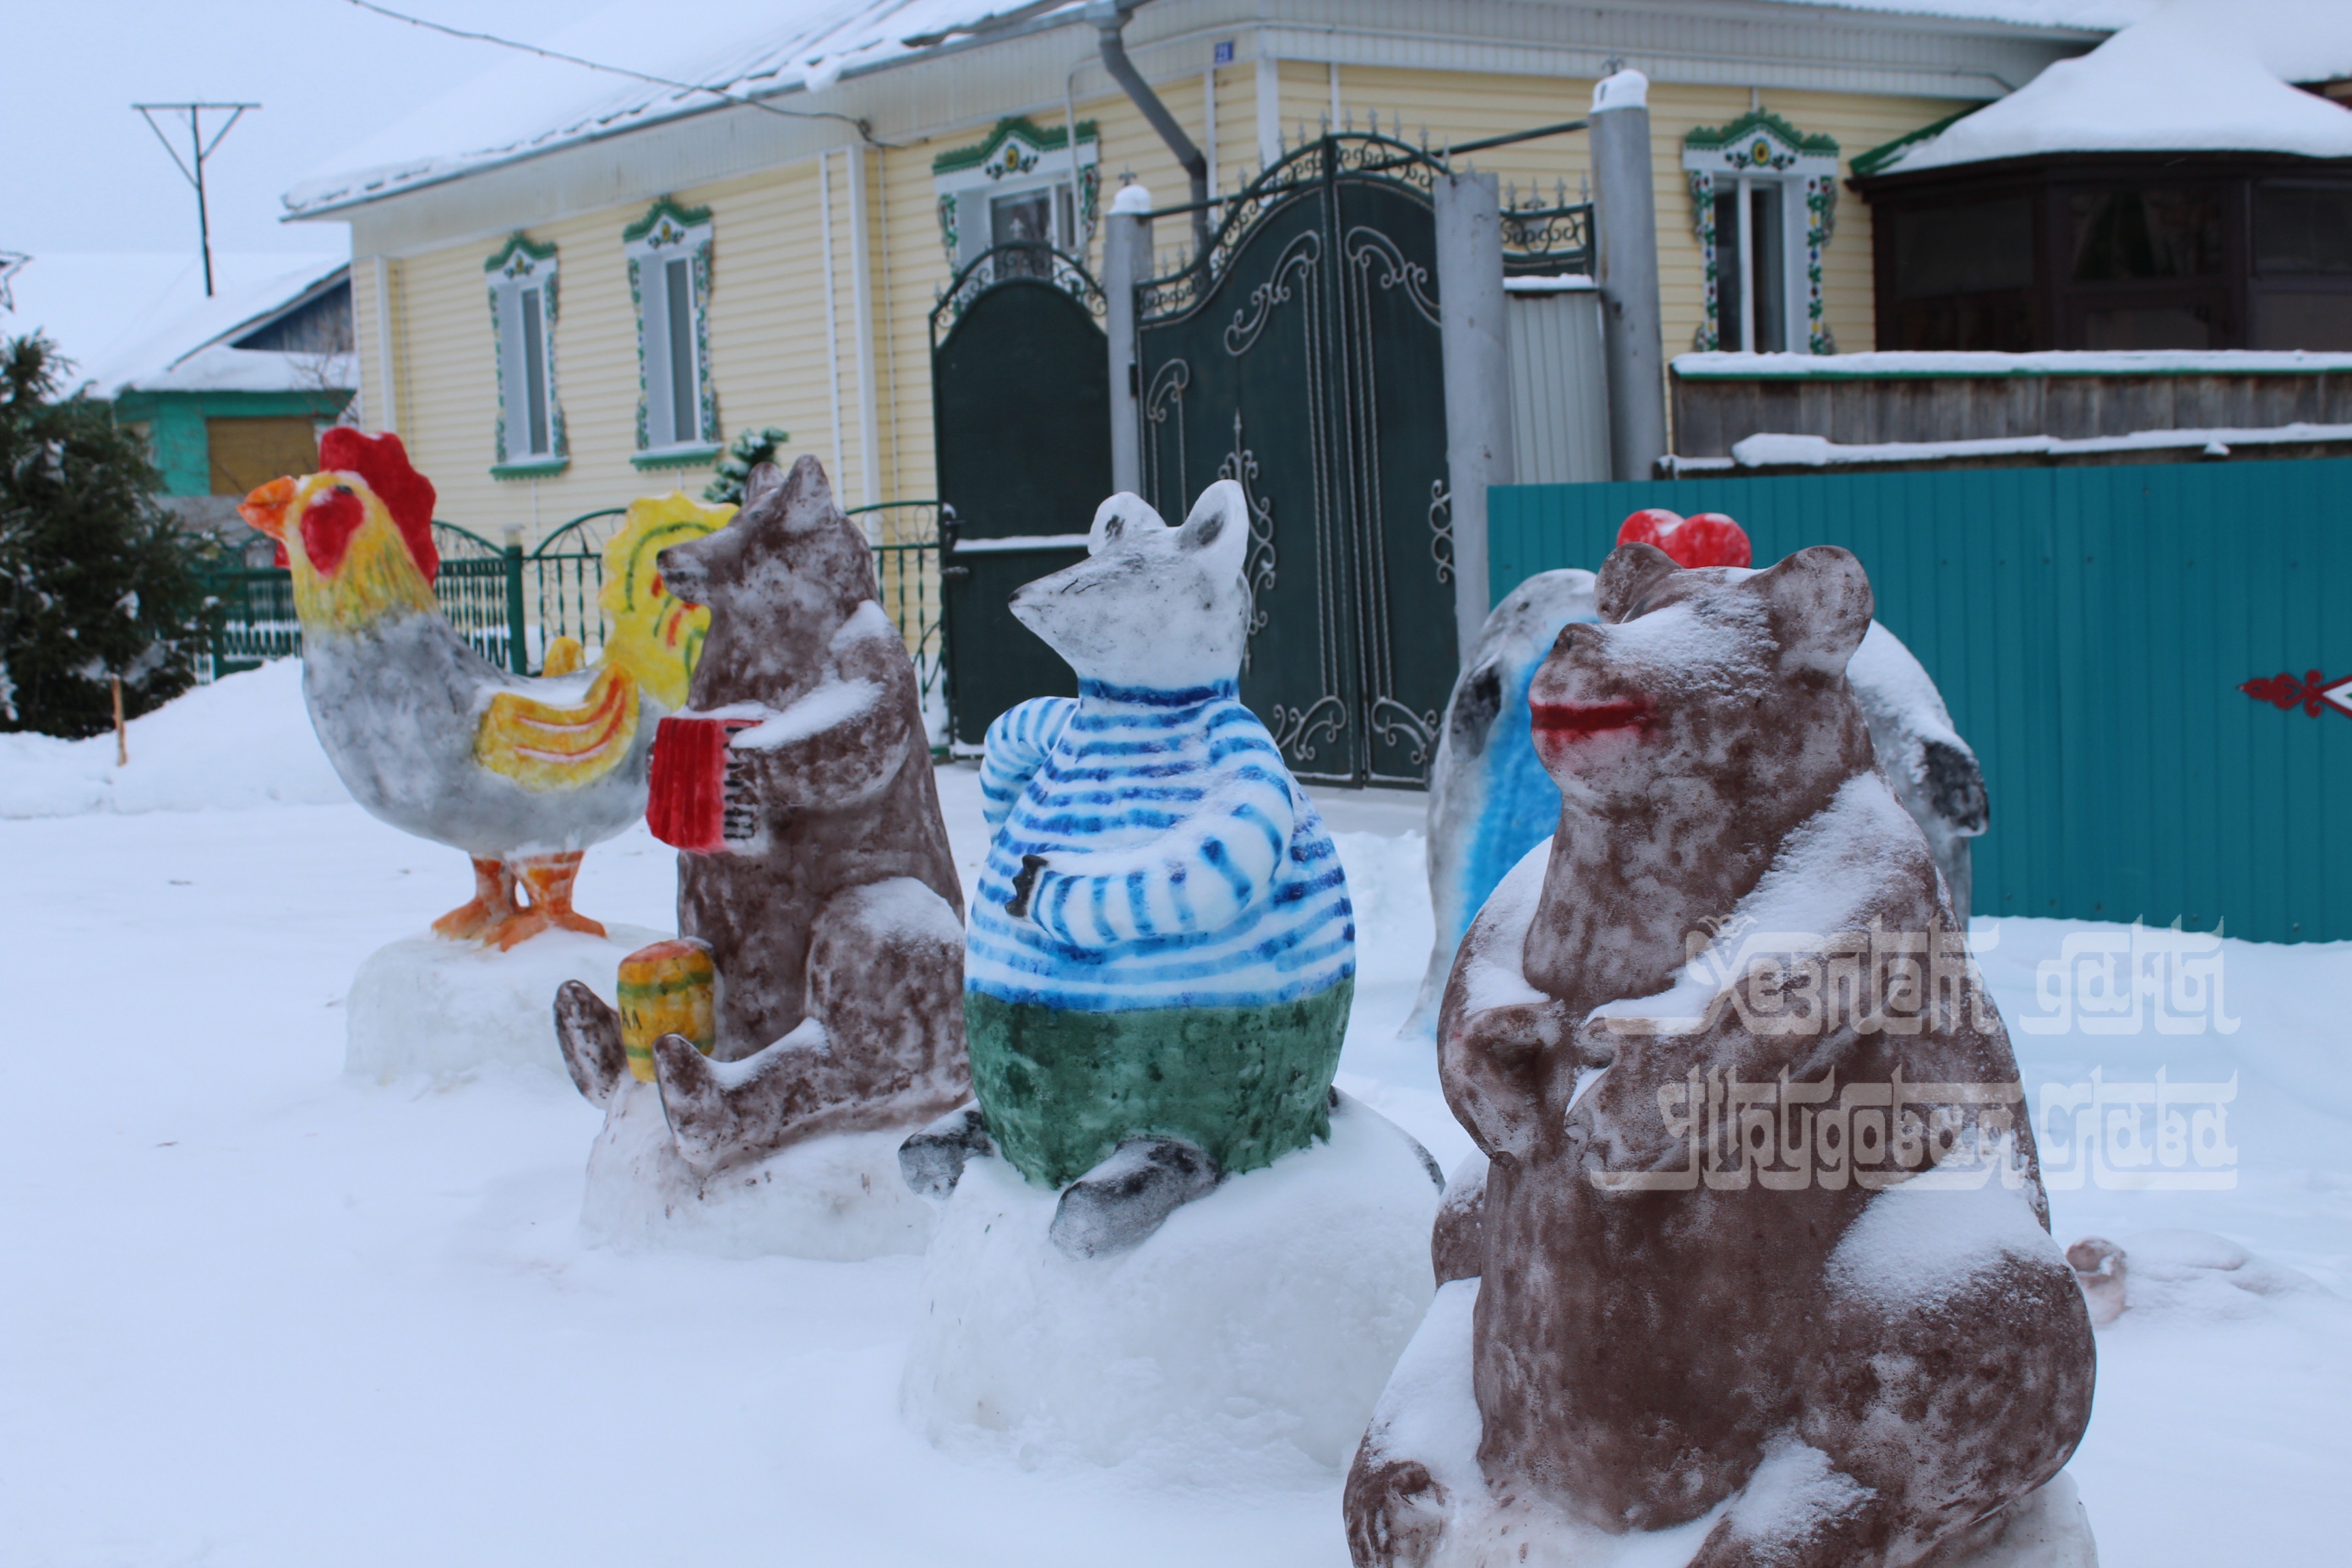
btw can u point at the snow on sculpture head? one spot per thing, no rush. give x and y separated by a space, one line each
780 580
1692 671
1152 606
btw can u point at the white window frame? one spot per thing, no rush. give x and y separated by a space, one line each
522 290
1016 163
670 245
1757 152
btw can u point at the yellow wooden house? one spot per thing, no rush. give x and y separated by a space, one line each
574 286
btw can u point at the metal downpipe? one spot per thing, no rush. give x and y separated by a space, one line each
1109 18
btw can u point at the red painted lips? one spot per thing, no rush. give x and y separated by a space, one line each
1571 721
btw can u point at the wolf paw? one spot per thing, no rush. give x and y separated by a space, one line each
1123 1200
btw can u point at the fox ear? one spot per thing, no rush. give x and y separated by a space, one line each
1123 518
1219 525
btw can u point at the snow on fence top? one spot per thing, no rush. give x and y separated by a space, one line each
777 51
1892 364
2193 76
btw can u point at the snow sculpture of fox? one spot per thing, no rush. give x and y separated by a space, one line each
1162 953
1769 1279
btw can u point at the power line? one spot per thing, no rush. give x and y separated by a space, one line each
193 168
864 128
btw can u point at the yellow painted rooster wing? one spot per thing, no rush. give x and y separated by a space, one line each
651 643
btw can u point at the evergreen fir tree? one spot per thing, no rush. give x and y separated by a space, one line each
747 451
95 579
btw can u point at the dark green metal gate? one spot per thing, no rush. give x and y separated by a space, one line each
1020 409
1301 357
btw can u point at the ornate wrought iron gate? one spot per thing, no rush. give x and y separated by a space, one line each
1301 357
1020 406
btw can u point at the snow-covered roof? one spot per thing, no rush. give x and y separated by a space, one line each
138 320
776 50
1892 364
2192 76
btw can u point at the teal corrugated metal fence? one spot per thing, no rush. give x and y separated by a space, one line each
2090 628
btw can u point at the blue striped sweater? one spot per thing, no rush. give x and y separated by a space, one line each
1184 866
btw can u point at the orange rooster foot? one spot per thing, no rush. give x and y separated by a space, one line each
493 904
549 878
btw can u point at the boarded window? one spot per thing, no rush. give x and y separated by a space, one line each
248 453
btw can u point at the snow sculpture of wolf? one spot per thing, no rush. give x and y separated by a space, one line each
1698 1295
830 907
1162 955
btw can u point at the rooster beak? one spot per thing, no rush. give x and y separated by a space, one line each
264 509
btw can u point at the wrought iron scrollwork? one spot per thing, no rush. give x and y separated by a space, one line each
1441 529
1548 238
1366 246
1164 401
1006 264
1298 257
1294 728
1390 718
1258 566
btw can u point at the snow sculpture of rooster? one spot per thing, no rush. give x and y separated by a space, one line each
522 773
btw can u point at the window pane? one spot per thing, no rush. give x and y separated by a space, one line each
684 424
534 358
1025 219
2149 327
2302 230
1765 205
653 279
1728 332
2306 319
2160 233
1971 249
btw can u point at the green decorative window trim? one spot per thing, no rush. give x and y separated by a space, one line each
666 230
1877 159
524 263
1758 139
1029 156
518 257
1761 147
678 458
679 217
1013 127
537 469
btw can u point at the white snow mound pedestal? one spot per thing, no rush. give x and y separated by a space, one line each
425 1005
1432 1414
838 1198
1262 1316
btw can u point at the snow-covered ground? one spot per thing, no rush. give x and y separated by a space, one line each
255 1313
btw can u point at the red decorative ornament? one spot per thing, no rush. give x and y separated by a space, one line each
1709 538
2313 693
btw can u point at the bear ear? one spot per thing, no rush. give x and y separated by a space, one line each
805 500
1123 519
1627 577
763 481
1219 526
1819 603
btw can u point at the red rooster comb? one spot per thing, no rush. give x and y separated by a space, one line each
382 462
1709 538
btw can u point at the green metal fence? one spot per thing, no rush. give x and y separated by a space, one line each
510 603
2093 631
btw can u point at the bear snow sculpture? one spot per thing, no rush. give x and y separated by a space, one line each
1490 801
1162 957
821 879
1762 1263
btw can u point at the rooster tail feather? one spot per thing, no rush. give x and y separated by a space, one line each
652 633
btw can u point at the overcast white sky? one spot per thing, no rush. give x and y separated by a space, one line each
80 172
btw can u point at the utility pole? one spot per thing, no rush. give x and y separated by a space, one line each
193 166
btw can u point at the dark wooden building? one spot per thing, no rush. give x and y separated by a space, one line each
2116 251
